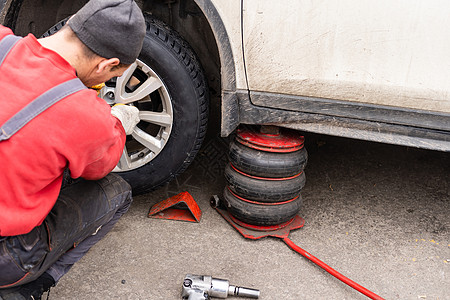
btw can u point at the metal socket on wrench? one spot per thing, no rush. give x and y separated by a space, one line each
200 287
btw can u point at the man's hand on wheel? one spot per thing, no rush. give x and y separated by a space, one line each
128 116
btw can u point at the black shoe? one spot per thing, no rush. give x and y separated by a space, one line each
29 291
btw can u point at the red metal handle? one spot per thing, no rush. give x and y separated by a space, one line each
332 271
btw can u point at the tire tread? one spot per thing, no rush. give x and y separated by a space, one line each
182 50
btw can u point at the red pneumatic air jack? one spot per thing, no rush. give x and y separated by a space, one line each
265 175
269 159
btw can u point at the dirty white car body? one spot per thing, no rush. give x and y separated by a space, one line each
370 70
381 61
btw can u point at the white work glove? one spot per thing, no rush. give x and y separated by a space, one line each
128 116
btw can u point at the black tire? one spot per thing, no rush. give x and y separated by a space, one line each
260 214
267 164
174 62
264 189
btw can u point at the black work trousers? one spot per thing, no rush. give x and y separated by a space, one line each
84 212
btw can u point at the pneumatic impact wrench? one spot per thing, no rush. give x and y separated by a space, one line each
198 287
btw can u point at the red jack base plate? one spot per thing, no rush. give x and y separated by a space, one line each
258 232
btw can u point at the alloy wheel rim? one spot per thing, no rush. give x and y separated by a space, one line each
142 87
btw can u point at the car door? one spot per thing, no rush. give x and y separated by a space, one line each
389 54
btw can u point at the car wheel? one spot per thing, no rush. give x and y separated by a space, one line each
167 85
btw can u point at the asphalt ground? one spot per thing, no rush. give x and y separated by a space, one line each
377 213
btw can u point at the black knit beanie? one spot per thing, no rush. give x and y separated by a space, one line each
111 28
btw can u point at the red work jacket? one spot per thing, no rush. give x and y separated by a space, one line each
78 133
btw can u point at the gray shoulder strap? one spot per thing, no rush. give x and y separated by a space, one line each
6 45
38 105
41 103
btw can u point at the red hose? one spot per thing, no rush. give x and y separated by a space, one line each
332 271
